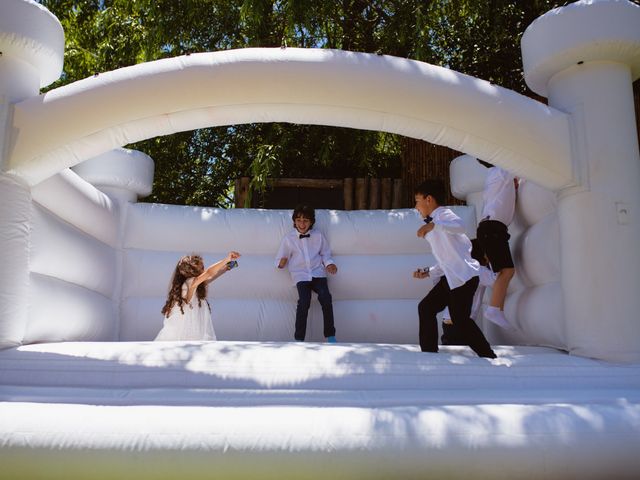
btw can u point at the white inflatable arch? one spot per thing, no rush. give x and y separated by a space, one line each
83 262
313 86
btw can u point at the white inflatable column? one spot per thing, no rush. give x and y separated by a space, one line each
31 53
584 58
125 175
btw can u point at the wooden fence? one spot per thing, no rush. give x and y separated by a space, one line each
357 193
422 161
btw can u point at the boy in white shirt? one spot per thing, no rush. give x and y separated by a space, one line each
458 272
308 255
499 196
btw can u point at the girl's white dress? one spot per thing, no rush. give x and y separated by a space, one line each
194 324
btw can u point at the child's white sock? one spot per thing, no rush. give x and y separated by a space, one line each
495 315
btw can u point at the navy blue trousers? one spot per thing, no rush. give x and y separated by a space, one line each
320 286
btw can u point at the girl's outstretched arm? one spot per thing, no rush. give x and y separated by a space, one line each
211 273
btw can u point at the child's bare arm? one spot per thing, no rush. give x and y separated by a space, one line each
212 272
283 262
220 267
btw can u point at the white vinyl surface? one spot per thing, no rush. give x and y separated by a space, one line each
355 405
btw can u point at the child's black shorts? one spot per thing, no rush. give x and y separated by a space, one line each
494 241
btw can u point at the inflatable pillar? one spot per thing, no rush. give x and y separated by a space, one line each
125 175
31 54
584 58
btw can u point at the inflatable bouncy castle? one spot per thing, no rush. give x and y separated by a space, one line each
86 393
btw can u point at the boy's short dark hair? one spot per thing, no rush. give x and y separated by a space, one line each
304 211
435 188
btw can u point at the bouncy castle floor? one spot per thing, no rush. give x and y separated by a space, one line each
308 410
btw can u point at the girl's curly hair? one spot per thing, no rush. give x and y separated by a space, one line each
188 266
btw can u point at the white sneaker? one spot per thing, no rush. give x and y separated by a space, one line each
495 315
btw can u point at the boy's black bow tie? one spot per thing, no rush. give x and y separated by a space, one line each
428 220
305 235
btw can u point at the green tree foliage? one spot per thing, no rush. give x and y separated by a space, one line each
477 37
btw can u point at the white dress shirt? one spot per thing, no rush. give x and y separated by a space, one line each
452 249
306 257
499 196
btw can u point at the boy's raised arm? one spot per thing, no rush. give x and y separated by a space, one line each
450 222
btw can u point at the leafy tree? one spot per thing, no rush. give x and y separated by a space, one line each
477 37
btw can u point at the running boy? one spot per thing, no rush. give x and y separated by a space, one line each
459 272
308 256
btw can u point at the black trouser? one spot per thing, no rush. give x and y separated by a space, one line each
459 300
321 287
450 335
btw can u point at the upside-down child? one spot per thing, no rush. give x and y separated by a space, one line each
187 313
499 197
458 273
307 254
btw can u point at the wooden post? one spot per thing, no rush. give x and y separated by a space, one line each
348 193
396 202
242 190
374 193
304 183
361 193
385 194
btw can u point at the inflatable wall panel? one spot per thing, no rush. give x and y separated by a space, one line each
375 296
80 204
73 262
61 312
359 232
377 321
534 202
538 313
539 251
62 251
148 273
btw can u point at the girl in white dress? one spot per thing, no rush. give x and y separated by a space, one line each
187 314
